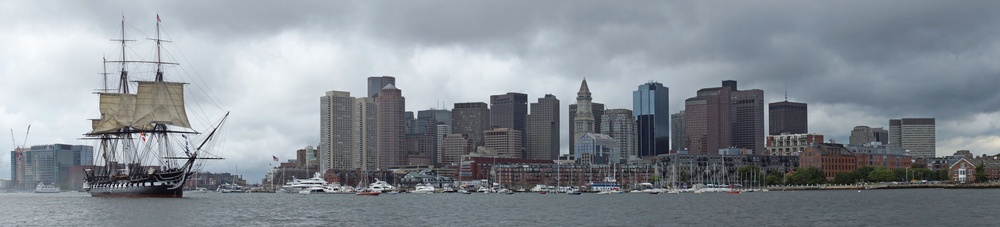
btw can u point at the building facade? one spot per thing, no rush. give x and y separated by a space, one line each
832 158
724 117
335 150
747 119
454 147
791 144
677 131
651 106
376 83
471 118
510 111
428 117
364 134
788 117
543 129
391 105
49 164
504 142
915 134
866 135
596 109
597 149
620 125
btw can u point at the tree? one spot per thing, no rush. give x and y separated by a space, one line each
900 174
980 173
845 178
862 173
808 175
750 175
775 178
881 175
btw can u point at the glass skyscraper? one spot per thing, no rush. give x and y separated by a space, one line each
651 107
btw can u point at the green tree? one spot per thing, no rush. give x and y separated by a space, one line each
900 174
808 175
881 175
845 178
775 178
750 175
862 173
922 174
980 173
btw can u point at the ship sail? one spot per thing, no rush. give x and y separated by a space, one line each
116 112
160 102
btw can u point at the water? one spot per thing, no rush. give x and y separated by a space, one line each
910 207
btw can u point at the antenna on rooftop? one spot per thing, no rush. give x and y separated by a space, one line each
786 92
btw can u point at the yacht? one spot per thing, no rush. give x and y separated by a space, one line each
448 189
46 188
424 189
381 186
297 185
336 188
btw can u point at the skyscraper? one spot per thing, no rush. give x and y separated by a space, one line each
335 131
543 129
471 118
364 134
425 117
724 117
651 105
456 145
391 106
788 117
597 109
376 83
677 131
862 135
918 135
510 111
620 125
505 142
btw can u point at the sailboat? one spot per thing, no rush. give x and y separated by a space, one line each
139 132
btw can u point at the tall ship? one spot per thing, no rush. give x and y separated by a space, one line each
144 139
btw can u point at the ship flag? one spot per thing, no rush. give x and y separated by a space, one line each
275 158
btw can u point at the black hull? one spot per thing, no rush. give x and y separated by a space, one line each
137 191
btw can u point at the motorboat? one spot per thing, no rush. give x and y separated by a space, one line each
423 189
46 188
381 186
296 185
448 189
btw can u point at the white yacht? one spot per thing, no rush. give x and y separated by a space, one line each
381 186
424 189
46 188
296 185
336 188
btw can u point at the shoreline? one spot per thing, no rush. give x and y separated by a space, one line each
885 186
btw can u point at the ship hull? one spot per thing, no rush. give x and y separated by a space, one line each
136 190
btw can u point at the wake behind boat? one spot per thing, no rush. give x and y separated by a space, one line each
143 132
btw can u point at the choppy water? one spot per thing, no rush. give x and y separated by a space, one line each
913 207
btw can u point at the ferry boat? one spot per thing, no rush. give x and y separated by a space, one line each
46 188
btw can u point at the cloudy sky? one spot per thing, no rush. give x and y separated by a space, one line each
268 62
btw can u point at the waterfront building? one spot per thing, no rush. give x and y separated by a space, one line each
865 135
335 151
510 111
914 134
788 117
832 158
523 175
878 154
504 142
364 134
49 164
651 106
376 83
621 126
791 144
724 117
391 105
677 131
471 118
596 109
964 170
454 146
543 129
597 149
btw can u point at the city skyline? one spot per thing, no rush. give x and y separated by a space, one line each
853 63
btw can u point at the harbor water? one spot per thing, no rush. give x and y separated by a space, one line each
910 207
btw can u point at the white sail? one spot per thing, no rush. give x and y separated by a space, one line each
116 112
160 102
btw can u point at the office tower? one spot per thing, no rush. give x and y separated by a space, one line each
335 148
456 145
747 119
677 131
391 105
471 118
409 122
651 103
49 164
597 109
787 117
425 117
505 142
543 129
364 131
442 129
510 111
307 158
914 134
620 125
863 135
376 83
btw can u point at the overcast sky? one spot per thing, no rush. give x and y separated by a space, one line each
853 62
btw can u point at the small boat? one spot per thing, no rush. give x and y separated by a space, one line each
543 192
46 188
368 193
